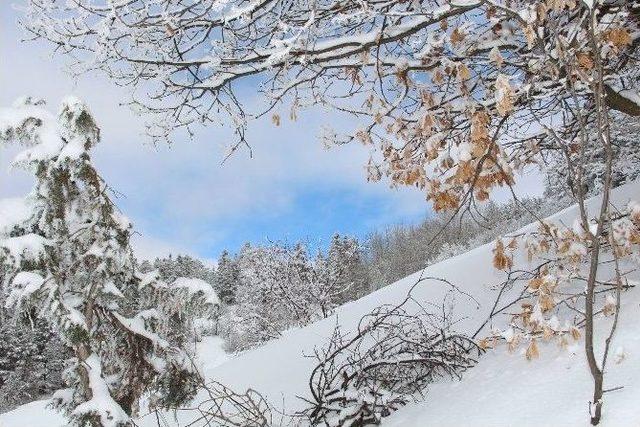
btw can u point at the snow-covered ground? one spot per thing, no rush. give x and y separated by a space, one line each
502 390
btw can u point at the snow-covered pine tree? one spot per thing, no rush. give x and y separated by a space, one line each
226 278
346 269
189 307
195 306
32 357
67 260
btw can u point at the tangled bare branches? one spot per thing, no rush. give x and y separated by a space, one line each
222 406
394 354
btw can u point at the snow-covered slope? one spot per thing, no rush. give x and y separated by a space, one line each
507 390
502 390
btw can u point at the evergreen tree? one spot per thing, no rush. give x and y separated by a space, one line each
227 278
188 307
32 360
346 269
68 261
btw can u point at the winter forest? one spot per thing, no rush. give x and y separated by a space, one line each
274 213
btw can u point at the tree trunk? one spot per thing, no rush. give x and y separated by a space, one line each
596 413
595 408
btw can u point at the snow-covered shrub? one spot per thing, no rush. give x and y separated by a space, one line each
226 407
390 359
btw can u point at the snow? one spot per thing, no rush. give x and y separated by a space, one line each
137 326
630 95
29 246
464 3
24 284
101 402
13 211
212 355
505 389
46 142
151 278
502 390
34 414
195 286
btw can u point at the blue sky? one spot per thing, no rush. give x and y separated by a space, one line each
181 199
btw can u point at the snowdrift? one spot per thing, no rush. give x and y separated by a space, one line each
502 390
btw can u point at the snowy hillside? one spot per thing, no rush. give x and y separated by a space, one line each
502 390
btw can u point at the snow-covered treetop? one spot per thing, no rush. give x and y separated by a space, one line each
44 137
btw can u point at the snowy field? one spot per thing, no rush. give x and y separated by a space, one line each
502 390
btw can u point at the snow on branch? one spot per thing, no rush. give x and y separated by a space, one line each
449 97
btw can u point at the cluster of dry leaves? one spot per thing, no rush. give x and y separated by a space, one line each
551 302
463 135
